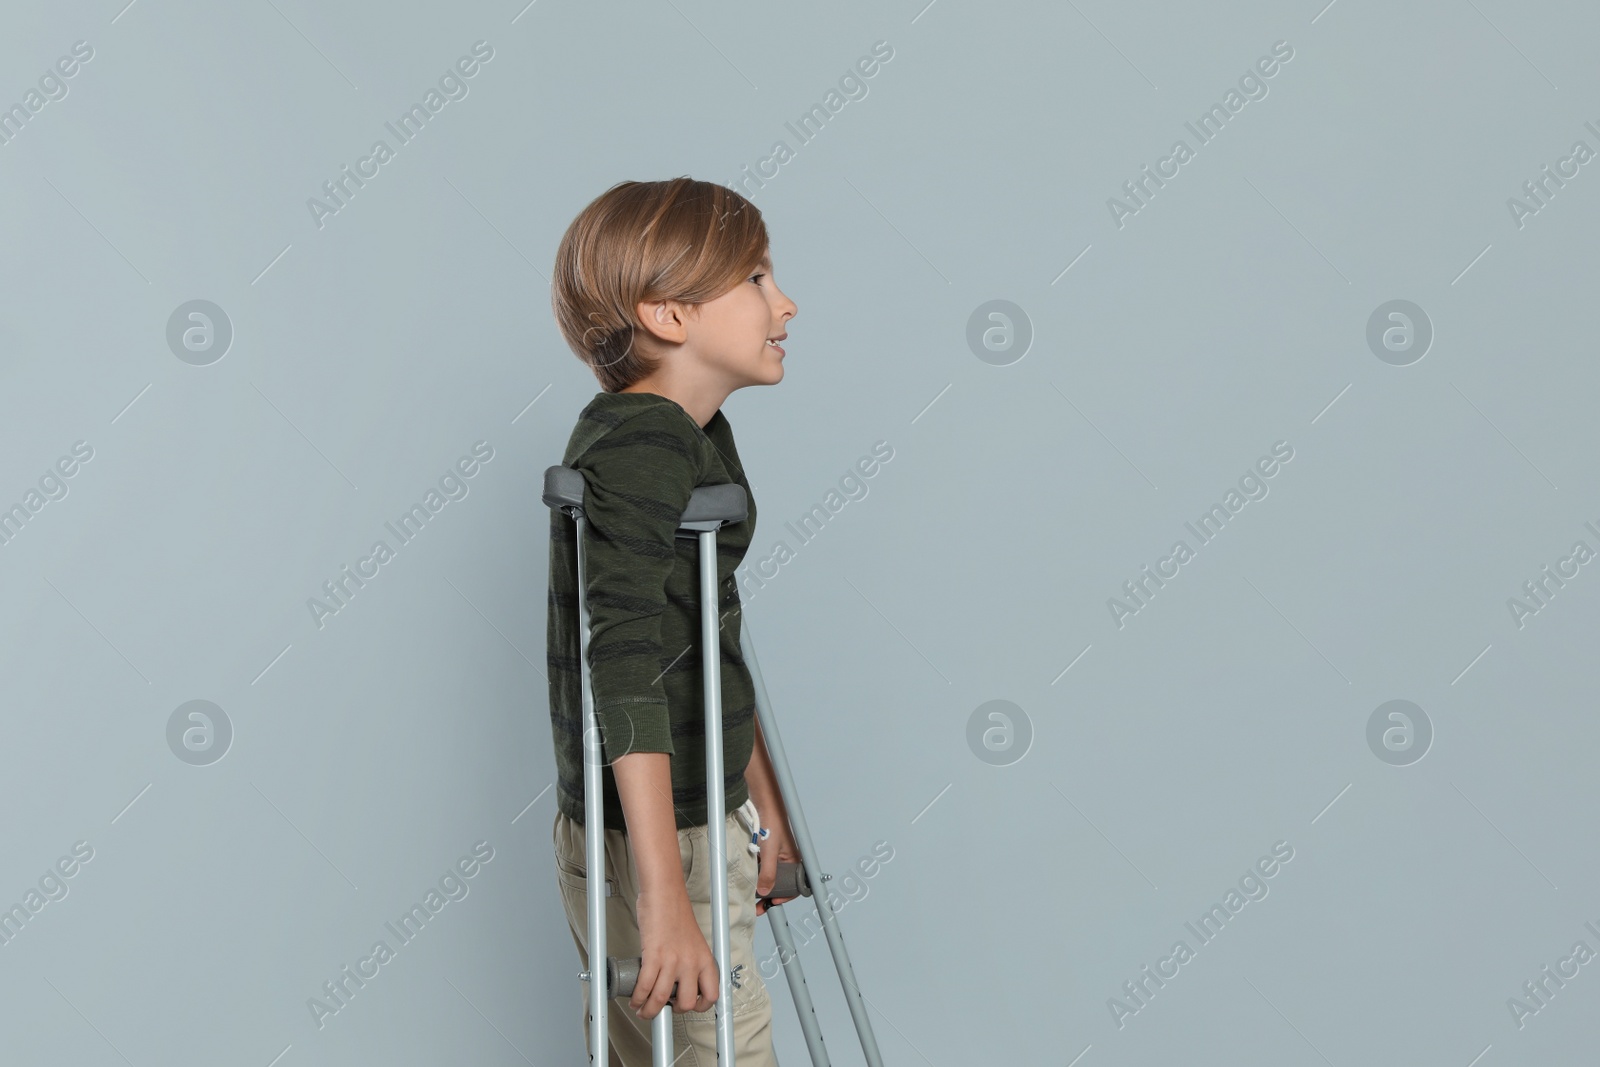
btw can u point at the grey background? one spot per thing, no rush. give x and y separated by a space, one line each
369 754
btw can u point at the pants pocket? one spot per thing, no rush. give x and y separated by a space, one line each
743 868
571 870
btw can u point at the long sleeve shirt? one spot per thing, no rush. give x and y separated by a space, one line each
642 455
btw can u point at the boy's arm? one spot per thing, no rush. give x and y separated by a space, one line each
673 952
763 783
638 480
644 782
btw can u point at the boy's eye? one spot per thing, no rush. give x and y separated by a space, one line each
753 277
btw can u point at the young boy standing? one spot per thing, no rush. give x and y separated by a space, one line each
665 290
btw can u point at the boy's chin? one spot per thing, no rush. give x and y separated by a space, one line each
769 373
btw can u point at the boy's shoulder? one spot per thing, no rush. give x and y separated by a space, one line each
607 413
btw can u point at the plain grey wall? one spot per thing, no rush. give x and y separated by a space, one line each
182 506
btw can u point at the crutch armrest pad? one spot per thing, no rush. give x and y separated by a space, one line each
710 506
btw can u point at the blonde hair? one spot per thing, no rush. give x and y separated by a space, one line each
681 239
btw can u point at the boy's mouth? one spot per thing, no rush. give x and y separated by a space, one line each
772 342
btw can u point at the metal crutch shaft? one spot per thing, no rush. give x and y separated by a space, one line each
709 509
716 828
593 822
799 992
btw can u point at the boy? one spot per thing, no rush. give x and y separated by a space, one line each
665 290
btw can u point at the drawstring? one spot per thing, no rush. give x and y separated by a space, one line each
752 820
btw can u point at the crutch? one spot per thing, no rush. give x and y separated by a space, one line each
710 507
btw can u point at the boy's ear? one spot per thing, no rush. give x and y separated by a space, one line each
664 319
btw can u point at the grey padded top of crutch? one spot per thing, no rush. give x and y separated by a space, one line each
564 486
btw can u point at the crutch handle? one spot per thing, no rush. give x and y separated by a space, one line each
790 882
623 975
622 978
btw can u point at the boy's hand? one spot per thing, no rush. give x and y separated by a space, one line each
674 951
779 845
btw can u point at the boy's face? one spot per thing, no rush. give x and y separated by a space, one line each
728 336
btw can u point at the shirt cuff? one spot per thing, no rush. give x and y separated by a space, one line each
634 724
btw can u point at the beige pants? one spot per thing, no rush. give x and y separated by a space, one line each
694 1034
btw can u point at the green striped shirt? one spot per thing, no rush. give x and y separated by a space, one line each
641 455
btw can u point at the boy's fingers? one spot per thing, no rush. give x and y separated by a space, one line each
686 994
659 995
651 993
763 903
641 988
